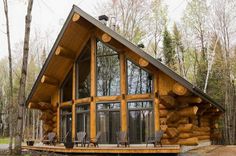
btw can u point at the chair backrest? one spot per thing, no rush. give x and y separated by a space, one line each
98 136
158 135
122 136
81 136
51 136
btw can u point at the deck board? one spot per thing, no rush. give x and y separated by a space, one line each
105 149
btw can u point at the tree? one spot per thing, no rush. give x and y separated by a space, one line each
168 50
179 49
21 95
5 2
196 20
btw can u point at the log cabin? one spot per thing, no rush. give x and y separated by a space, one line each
94 80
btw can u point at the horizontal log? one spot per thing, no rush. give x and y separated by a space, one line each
66 104
169 141
83 100
163 113
179 89
106 38
188 111
46 115
168 101
45 106
139 96
49 80
64 52
203 137
47 128
108 98
162 121
199 133
172 116
143 63
185 135
183 120
161 106
172 132
185 127
75 17
34 106
189 99
215 126
54 119
188 141
203 129
163 127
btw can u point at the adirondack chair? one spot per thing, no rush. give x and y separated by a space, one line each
80 139
50 139
95 140
122 139
155 140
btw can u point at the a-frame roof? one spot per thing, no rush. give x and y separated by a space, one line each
127 44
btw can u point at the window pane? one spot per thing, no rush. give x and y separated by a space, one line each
67 88
83 119
108 71
139 81
66 121
83 73
141 121
108 121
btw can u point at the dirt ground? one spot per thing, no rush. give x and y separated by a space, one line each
213 150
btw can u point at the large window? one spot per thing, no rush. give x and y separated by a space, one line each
83 73
141 121
108 121
83 119
66 89
66 123
108 71
139 81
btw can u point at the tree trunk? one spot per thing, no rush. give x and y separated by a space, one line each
10 75
21 95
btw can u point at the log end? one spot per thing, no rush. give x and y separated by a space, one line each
75 17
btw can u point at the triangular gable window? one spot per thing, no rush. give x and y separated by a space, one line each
139 80
108 71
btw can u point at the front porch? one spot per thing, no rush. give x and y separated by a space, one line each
105 149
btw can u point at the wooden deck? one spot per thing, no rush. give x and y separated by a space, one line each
109 149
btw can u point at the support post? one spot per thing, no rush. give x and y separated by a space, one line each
73 103
156 103
93 89
123 92
58 114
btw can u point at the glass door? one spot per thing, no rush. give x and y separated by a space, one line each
83 119
66 123
108 122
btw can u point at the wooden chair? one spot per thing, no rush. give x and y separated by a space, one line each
80 139
122 139
155 140
50 139
95 140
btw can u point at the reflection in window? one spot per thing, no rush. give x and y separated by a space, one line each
141 121
139 81
83 119
66 89
108 121
66 123
83 73
108 71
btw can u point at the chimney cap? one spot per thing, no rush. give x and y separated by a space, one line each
141 45
103 17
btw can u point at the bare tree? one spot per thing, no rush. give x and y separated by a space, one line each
5 2
21 95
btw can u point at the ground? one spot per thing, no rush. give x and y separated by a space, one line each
213 150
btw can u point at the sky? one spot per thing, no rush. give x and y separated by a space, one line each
49 15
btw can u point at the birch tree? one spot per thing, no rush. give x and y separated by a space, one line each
21 95
5 2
